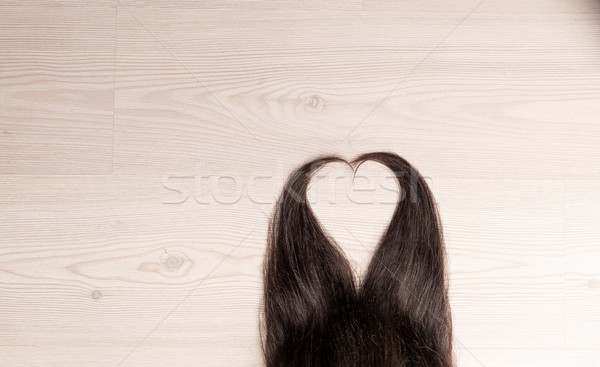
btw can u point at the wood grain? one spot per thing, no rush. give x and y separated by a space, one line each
57 88
582 213
142 146
304 76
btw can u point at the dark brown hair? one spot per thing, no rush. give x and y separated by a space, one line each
314 312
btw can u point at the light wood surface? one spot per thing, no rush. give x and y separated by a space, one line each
111 112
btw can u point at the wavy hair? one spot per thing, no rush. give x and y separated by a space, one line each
314 312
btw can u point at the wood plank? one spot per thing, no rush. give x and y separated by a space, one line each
246 4
105 254
505 243
56 90
488 6
582 259
106 248
294 82
520 90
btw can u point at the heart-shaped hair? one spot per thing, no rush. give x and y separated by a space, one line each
314 313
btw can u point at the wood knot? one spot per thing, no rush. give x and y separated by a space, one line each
168 263
172 261
315 102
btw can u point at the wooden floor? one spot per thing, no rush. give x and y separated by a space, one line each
142 144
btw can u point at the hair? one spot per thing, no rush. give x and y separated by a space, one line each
314 313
